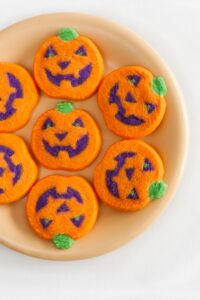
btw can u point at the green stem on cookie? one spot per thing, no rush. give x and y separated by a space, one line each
159 86
64 107
67 34
157 189
63 241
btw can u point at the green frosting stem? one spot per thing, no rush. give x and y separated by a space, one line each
67 34
63 241
64 107
159 86
157 189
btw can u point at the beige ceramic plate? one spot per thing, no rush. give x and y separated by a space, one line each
119 47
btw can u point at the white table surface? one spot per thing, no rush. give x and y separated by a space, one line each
164 262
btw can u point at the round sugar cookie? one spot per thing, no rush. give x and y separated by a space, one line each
18 97
68 65
65 138
18 171
62 209
129 176
132 101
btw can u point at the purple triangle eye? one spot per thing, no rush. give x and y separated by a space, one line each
77 221
130 98
78 123
47 123
50 52
81 51
147 166
133 195
45 222
134 79
150 107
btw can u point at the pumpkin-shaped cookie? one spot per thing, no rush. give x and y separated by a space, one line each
68 66
18 97
62 209
65 138
132 101
18 171
130 176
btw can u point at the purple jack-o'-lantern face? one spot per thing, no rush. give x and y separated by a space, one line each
18 97
11 91
12 170
61 137
64 203
123 181
63 66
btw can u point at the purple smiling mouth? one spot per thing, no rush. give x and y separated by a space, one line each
81 144
84 74
17 94
15 169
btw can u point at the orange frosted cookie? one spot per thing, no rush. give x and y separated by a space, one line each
66 138
62 209
68 65
18 171
18 97
130 176
132 101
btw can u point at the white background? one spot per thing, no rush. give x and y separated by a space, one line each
164 262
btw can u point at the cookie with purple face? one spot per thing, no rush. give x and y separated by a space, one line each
68 65
18 171
66 138
132 101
